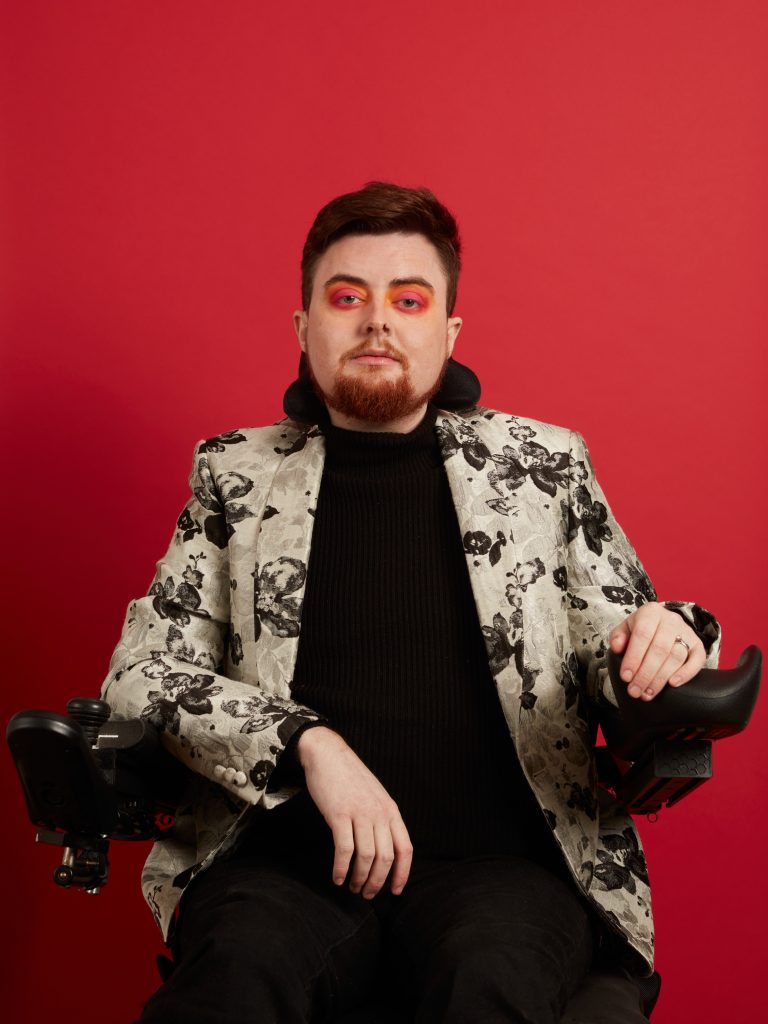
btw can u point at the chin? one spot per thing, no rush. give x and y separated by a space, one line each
374 400
368 395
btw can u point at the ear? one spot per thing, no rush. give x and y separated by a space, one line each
300 320
454 326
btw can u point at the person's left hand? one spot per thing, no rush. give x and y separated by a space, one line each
652 656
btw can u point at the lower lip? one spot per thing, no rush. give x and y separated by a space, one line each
376 360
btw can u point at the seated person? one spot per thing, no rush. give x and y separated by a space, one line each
378 639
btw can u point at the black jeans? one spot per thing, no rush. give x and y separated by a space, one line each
268 941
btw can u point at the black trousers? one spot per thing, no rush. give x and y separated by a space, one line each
267 940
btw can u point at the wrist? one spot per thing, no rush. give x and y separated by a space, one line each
312 741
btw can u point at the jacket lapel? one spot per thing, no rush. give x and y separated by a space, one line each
282 558
486 525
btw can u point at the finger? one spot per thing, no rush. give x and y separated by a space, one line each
642 626
619 636
692 666
344 847
382 862
643 678
672 663
365 850
401 866
645 654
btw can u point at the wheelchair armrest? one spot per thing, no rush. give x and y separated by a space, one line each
659 751
716 703
63 786
88 779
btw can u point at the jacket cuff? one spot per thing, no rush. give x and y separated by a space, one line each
288 772
703 623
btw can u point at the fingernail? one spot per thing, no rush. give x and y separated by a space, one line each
634 691
626 673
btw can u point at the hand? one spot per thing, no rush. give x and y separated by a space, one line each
652 658
362 816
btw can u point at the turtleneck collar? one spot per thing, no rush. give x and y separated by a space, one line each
382 448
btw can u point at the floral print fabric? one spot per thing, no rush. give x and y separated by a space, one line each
208 654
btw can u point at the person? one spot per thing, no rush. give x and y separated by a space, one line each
378 640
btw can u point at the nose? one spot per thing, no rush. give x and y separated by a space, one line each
377 327
376 322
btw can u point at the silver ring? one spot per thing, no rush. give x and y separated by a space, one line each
679 640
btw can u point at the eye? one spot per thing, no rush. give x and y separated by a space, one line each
345 297
410 302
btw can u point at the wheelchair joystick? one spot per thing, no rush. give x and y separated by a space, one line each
90 714
87 779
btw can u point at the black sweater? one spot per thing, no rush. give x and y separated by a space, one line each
391 652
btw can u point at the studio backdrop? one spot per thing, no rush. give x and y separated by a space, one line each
161 164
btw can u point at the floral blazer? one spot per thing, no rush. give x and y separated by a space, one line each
208 655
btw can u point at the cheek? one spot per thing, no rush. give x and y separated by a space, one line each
427 363
320 334
434 348
324 352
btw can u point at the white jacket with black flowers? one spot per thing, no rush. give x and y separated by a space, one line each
208 655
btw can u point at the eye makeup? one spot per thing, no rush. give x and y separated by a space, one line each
343 296
411 299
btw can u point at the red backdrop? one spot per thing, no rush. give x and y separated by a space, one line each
162 163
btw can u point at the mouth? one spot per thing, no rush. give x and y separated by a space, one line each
374 358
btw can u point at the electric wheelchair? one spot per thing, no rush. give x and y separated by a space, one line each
86 780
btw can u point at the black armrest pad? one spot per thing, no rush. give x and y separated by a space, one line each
714 704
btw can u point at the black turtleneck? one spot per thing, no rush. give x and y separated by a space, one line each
392 654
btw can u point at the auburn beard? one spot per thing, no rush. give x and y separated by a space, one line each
366 397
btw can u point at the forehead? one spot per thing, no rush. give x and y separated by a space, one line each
379 259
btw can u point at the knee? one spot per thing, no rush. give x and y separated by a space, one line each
233 972
237 938
490 980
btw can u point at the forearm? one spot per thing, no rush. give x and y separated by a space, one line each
169 666
227 730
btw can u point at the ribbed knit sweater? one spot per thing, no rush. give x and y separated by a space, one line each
392 653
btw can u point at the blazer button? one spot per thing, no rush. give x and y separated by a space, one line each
219 770
241 779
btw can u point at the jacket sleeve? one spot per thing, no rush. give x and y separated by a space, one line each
168 666
606 581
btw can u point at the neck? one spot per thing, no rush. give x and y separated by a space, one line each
404 425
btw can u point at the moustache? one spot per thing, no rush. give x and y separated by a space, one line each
379 348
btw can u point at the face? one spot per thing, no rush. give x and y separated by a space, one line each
377 335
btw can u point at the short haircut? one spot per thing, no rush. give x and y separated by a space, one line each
378 209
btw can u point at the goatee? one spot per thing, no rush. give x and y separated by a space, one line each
365 396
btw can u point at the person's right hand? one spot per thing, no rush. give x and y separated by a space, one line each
362 816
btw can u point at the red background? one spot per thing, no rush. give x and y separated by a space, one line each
161 165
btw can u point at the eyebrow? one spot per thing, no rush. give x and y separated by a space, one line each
396 282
